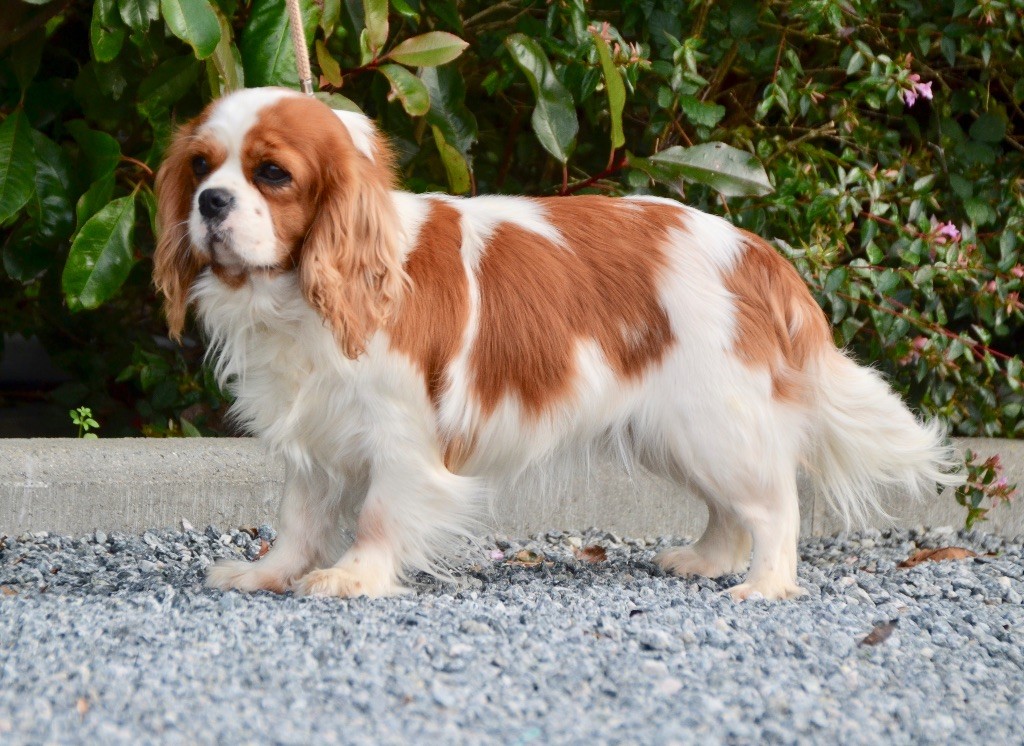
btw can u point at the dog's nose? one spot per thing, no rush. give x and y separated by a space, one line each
214 203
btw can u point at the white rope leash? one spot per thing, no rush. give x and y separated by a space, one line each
301 50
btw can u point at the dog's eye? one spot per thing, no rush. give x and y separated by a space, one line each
200 166
272 174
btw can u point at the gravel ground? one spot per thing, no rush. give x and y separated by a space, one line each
112 639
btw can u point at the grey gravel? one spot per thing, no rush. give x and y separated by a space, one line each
113 639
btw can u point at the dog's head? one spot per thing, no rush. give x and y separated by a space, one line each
267 181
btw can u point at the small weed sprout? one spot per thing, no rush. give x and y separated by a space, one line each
83 418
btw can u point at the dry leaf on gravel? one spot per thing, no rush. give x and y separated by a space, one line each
936 555
527 558
82 706
264 548
880 633
592 554
7 590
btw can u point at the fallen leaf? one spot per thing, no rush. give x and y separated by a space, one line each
592 554
7 590
527 558
82 706
880 633
936 555
264 548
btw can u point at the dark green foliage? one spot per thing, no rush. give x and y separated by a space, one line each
879 144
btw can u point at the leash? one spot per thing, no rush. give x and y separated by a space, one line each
301 50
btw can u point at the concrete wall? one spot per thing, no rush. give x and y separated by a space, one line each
75 486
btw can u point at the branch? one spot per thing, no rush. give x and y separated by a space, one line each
612 168
903 312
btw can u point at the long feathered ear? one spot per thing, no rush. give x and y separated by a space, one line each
350 268
175 265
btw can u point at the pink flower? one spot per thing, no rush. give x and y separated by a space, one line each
917 90
1017 271
946 230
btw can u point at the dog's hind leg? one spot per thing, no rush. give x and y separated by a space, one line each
723 548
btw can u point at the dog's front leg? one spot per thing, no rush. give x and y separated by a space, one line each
411 517
309 535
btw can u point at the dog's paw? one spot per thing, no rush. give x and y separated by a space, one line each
768 590
344 583
688 561
246 576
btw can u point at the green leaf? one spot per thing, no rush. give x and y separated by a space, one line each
101 255
96 197
725 169
856 63
405 10
25 57
835 279
554 117
329 66
138 14
615 89
24 258
988 128
51 206
448 110
17 164
100 152
375 15
337 101
227 60
330 16
455 164
166 85
700 112
428 50
266 45
105 31
410 90
195 23
979 211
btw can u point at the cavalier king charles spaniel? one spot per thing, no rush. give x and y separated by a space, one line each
410 354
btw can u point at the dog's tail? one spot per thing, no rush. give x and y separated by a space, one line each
864 444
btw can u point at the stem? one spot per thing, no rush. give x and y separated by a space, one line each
613 167
903 312
486 12
138 164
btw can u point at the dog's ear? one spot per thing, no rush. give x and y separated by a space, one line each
175 265
350 268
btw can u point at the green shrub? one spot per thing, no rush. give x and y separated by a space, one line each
890 135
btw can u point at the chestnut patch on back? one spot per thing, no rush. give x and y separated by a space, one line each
433 315
539 299
779 326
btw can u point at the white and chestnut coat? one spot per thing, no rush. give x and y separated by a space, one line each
410 354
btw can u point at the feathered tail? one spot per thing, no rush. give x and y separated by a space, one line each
865 444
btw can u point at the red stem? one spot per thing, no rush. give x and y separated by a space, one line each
612 167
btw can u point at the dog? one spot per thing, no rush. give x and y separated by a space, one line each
409 354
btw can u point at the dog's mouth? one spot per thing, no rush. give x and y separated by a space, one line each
222 255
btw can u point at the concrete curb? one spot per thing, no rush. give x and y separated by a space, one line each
74 486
